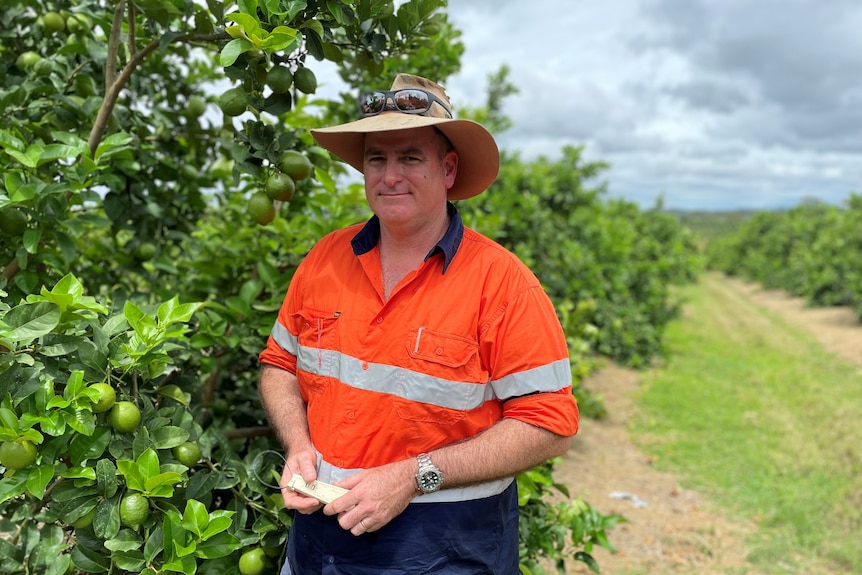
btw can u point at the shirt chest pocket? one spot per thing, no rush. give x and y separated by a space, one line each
318 345
444 379
446 350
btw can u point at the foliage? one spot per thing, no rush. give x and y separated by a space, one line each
129 259
612 262
812 251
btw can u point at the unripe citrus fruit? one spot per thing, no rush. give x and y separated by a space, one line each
146 251
85 520
27 60
43 67
17 454
252 562
107 397
260 208
233 101
124 417
279 79
279 186
134 510
84 85
188 453
305 81
295 165
197 106
52 23
78 24
13 222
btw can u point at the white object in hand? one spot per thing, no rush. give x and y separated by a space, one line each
323 492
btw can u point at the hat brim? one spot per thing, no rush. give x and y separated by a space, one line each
478 155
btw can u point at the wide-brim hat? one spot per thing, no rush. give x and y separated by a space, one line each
478 155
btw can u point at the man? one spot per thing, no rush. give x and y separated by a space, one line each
414 362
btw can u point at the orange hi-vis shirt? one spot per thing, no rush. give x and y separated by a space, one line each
467 339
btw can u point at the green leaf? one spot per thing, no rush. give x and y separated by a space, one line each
90 561
162 485
195 517
12 486
125 540
82 447
106 478
168 437
135 478
30 321
220 545
106 522
38 480
232 50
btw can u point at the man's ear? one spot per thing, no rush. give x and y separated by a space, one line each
450 168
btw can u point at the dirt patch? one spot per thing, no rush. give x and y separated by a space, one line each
669 529
672 529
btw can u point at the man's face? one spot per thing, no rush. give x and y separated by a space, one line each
408 174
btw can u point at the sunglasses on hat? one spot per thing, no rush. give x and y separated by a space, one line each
407 101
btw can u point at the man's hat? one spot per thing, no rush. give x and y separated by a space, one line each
478 156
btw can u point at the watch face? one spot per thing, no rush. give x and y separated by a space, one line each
430 481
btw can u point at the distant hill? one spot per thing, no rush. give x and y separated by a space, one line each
709 225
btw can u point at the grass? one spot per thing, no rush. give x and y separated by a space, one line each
755 413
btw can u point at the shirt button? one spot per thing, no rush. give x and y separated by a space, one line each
439 351
351 414
380 319
364 365
331 559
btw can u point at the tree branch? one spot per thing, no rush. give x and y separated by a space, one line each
114 43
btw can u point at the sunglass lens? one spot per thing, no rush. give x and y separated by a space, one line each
409 100
372 103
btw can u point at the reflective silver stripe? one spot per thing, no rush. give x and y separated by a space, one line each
284 339
329 473
391 380
547 378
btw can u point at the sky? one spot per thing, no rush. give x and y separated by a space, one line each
707 104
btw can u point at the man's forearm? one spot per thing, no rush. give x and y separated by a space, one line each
503 450
285 408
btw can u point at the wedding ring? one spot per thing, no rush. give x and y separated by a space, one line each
362 522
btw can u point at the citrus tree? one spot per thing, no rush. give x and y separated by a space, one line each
159 188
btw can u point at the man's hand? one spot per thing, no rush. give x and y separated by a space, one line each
376 496
302 463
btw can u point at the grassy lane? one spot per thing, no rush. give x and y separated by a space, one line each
754 412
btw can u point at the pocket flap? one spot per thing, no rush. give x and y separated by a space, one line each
445 349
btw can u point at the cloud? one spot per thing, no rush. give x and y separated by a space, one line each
710 103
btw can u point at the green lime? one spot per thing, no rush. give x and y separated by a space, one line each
196 106
279 186
43 67
260 208
124 416
17 454
146 251
233 101
107 397
27 60
252 562
134 510
78 24
52 23
13 222
188 453
305 81
85 520
295 165
279 78
84 85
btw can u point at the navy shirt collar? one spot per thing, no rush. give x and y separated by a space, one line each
364 241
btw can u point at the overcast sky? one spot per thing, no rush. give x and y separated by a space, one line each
712 104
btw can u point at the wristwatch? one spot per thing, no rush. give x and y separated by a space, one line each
429 478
